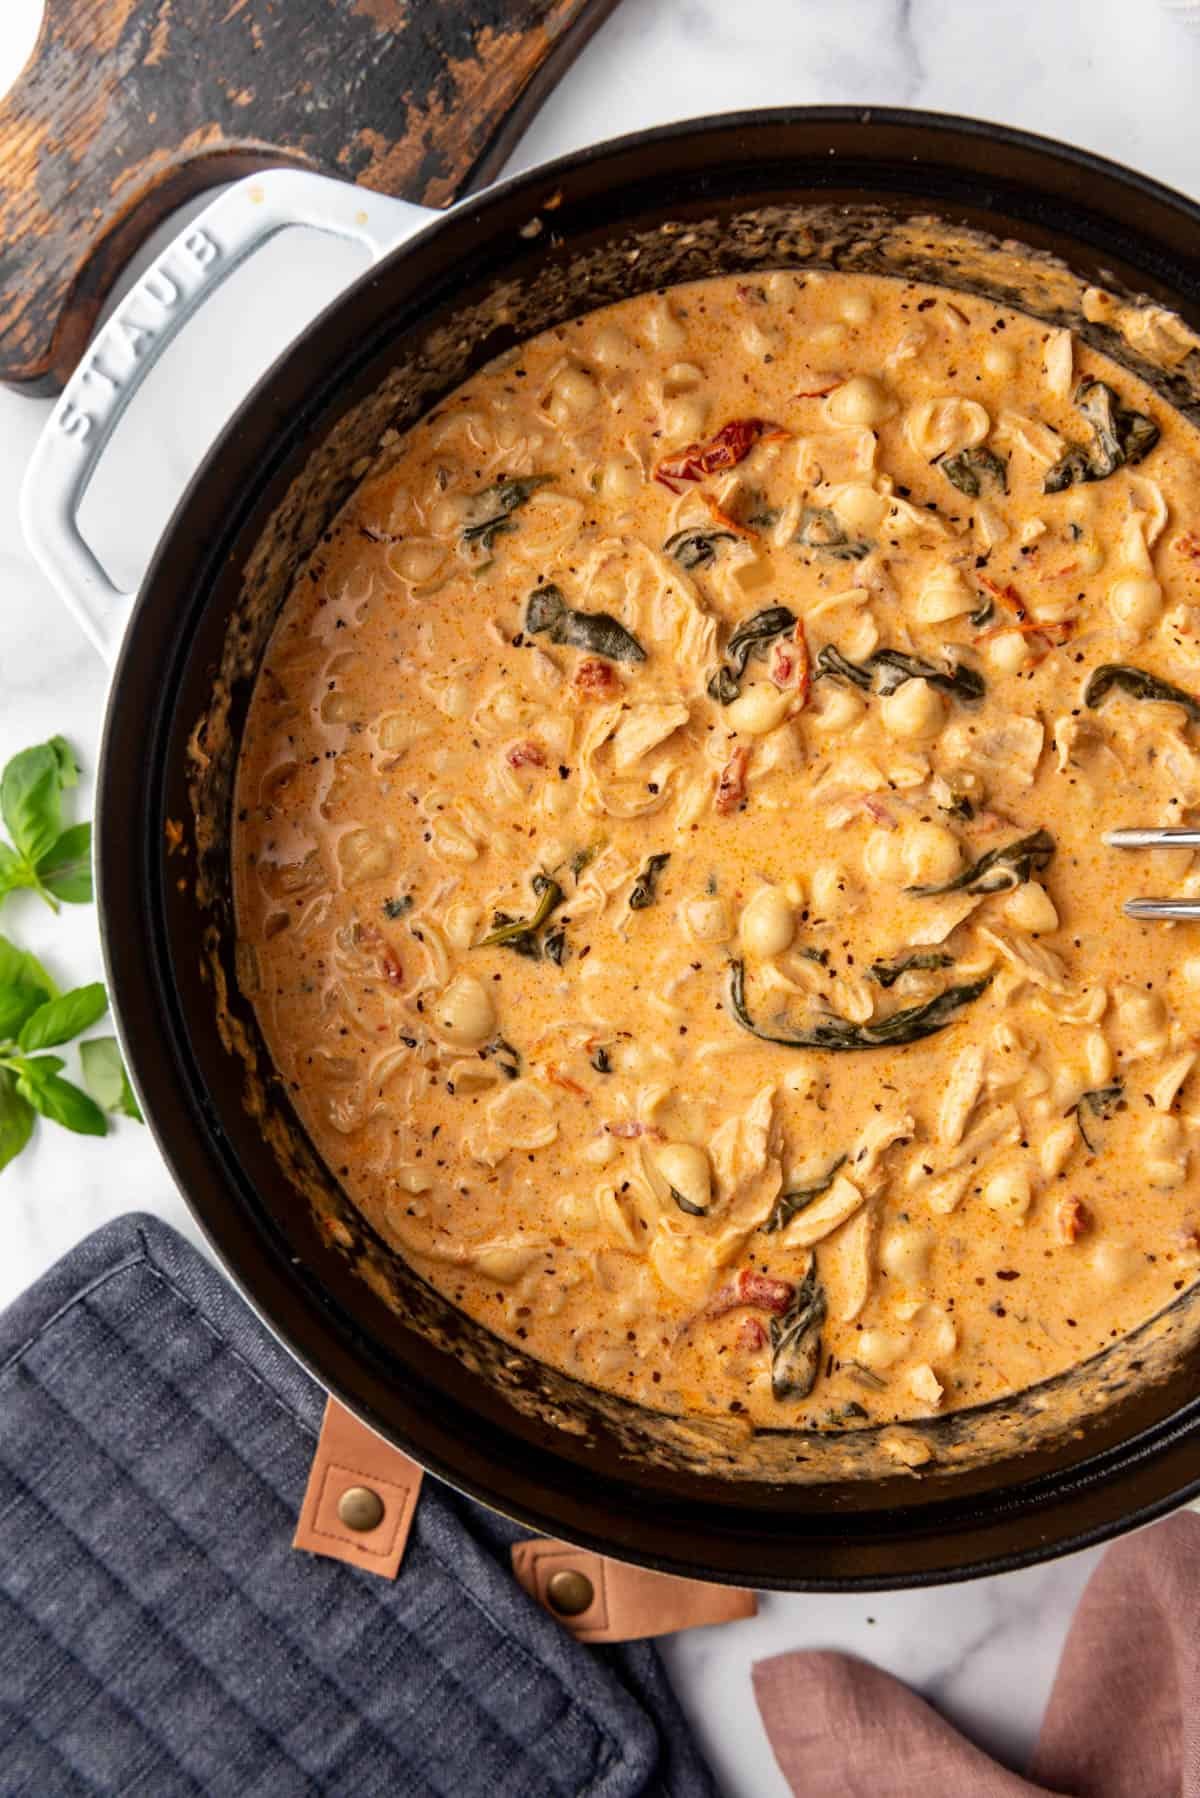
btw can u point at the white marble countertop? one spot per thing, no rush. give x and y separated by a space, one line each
1118 76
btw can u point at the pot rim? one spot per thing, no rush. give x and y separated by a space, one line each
160 1082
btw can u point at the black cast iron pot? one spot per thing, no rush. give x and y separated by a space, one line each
832 187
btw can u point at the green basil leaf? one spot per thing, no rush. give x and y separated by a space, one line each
68 767
14 870
31 799
18 1002
37 1067
42 1086
66 868
20 964
16 1119
105 1077
24 987
60 1020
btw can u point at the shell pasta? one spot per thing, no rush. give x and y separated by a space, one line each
669 847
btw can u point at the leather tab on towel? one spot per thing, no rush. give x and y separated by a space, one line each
361 1497
599 1600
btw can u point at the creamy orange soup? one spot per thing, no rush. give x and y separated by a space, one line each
670 861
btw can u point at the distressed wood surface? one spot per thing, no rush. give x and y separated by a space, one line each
129 107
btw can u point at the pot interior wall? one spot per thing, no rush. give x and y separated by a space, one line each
1001 1484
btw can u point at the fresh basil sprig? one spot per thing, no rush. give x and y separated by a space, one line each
52 860
34 1017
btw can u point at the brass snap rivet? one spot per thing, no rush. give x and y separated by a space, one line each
569 1592
360 1509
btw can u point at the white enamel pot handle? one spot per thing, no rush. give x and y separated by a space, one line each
150 316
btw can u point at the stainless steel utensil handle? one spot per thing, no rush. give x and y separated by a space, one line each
150 316
1170 836
1150 909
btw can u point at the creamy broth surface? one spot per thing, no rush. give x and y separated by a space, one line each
669 850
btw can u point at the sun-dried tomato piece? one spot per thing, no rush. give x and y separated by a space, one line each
790 665
729 446
731 788
595 677
1072 1219
526 755
368 936
754 1291
751 1336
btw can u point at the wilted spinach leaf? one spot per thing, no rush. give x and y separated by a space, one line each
643 893
547 612
821 530
498 503
752 634
789 1204
839 1034
999 870
796 1340
521 934
1120 437
1101 1102
887 973
1139 685
975 471
887 669
696 549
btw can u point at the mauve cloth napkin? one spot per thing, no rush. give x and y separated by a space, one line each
159 1635
1123 1719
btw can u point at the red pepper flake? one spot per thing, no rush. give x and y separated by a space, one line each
627 1129
526 755
1072 1219
819 393
557 1078
755 1291
1032 628
595 676
393 972
1055 634
1007 596
731 788
751 1336
1188 545
729 446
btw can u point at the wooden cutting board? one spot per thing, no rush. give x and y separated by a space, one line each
127 108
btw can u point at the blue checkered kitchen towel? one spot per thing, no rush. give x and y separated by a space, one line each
159 1636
